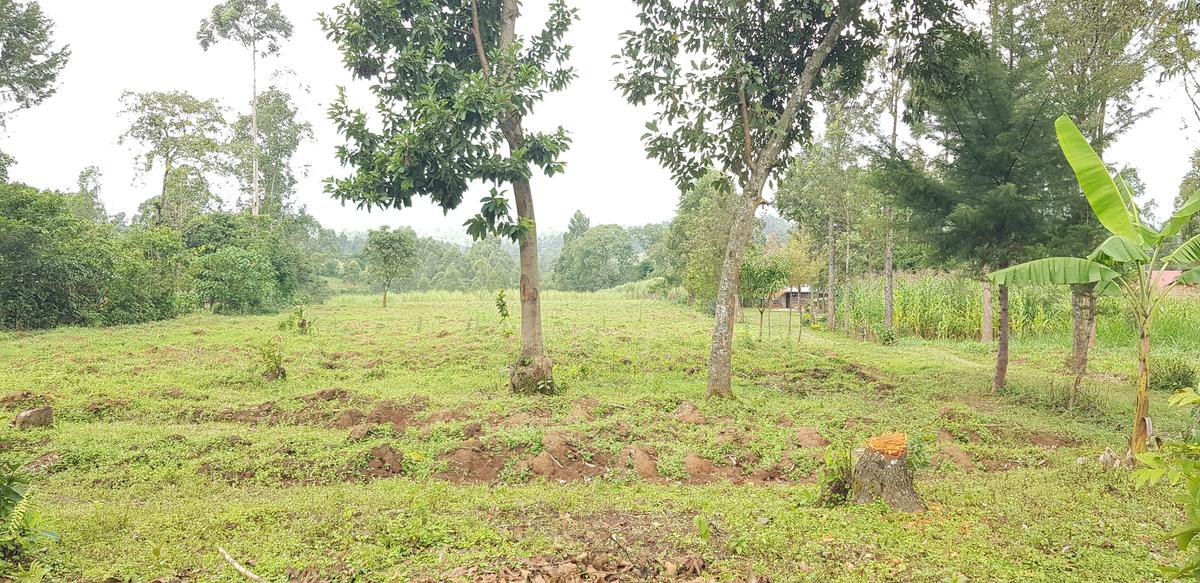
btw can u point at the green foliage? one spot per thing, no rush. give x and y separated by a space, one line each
281 131
833 479
299 321
21 531
717 69
1172 374
600 258
696 241
1178 464
54 267
389 254
270 360
31 64
501 306
255 24
448 111
577 227
236 280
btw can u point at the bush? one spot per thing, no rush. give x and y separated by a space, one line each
20 527
236 280
54 268
1171 374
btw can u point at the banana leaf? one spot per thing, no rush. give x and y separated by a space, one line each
1102 193
1054 270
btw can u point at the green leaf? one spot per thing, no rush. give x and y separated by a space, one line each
1118 249
1054 270
1182 216
1189 252
1102 194
1189 277
1183 536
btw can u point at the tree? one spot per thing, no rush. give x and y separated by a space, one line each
454 83
823 192
733 84
259 27
389 255
762 276
601 258
86 204
990 200
54 267
268 154
697 238
1130 263
186 197
175 130
577 227
237 280
29 62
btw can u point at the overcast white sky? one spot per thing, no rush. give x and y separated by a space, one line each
144 45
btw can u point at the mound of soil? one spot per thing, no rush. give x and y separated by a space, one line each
472 462
688 412
810 437
384 462
641 461
563 460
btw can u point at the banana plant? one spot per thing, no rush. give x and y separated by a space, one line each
1129 264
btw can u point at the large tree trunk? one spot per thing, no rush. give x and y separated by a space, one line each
1001 375
1141 404
533 373
831 286
889 273
986 324
720 358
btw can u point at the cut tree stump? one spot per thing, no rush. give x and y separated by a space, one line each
881 473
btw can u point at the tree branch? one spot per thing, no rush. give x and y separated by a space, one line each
240 569
483 60
748 147
808 78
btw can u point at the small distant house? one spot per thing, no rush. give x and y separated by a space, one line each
791 297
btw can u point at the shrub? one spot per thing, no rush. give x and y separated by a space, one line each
1172 374
833 479
236 279
20 528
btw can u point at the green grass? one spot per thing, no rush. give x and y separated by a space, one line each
163 449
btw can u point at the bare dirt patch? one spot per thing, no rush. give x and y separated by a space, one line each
810 437
24 399
642 462
688 412
474 462
562 458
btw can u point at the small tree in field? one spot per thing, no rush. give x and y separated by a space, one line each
1130 263
762 275
454 83
390 256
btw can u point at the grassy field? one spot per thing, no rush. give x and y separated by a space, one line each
393 452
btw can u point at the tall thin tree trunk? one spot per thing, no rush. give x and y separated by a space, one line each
889 274
831 287
1001 375
986 324
385 291
533 373
1141 404
720 359
255 199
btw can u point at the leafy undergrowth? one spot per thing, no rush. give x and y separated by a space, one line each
392 451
